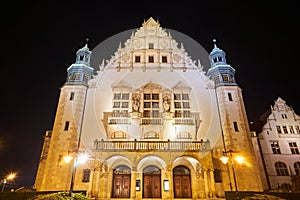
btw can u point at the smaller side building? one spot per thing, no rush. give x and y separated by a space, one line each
279 142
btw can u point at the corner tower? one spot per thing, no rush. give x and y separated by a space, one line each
235 137
66 132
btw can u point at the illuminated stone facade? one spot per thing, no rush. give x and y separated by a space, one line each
280 141
153 123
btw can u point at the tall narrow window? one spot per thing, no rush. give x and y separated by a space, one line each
284 116
151 46
230 96
67 124
297 168
294 147
71 96
236 128
281 169
225 77
275 147
182 105
120 104
291 129
151 59
278 128
151 105
297 129
137 59
86 175
164 59
285 129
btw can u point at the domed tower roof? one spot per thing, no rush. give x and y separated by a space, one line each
220 72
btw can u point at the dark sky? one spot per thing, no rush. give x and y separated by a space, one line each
40 38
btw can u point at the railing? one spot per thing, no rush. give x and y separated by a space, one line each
152 121
151 145
119 120
184 121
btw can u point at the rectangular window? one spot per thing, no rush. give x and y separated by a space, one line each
278 128
86 78
177 97
230 96
291 129
164 59
236 128
155 114
283 116
186 114
185 96
297 129
86 175
178 113
177 104
137 59
155 96
275 147
147 105
186 104
147 113
117 96
151 59
151 46
147 97
294 147
125 96
67 124
116 104
155 105
216 79
225 77
285 129
71 96
125 104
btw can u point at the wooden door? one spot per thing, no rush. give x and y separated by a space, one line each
182 182
152 186
151 182
121 186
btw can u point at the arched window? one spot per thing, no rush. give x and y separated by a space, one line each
281 169
297 168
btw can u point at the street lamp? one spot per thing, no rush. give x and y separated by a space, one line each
80 158
239 159
9 177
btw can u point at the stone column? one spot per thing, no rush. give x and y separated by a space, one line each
212 183
206 183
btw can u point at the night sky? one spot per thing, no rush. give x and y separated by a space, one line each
40 38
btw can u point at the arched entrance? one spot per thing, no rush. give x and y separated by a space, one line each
151 182
182 182
121 182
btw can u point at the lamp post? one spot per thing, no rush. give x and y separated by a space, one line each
225 160
10 176
80 158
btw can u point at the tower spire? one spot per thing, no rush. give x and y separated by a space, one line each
221 72
80 72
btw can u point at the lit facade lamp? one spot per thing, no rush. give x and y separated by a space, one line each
9 177
228 156
80 158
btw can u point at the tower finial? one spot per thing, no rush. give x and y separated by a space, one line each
86 41
215 43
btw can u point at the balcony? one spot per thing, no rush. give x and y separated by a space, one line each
119 121
184 121
191 146
151 121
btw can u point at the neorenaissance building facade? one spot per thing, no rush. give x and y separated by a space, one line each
153 123
279 142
